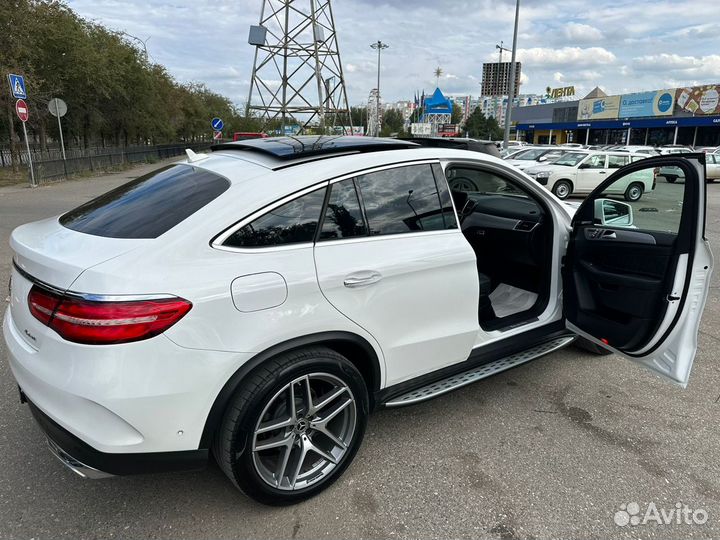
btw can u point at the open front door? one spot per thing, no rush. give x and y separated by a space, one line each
637 268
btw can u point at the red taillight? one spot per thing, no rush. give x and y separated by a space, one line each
102 323
42 303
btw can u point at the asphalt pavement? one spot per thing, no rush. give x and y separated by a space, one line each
559 447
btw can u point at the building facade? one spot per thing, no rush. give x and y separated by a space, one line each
496 78
688 116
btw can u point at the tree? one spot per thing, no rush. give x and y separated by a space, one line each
477 125
392 122
457 114
113 92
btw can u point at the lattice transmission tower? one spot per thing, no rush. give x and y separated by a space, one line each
297 75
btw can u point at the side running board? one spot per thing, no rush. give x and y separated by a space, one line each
473 375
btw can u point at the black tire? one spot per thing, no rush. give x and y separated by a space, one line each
671 179
589 346
562 189
236 435
634 192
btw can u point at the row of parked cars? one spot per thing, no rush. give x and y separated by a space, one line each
573 169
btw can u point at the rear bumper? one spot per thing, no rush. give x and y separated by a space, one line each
147 398
88 462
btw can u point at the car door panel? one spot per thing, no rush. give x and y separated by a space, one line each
424 309
636 290
391 258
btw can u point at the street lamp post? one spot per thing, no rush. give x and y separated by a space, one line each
511 89
379 45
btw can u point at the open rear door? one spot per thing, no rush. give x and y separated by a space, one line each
637 268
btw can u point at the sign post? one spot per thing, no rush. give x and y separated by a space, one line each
23 114
217 125
58 108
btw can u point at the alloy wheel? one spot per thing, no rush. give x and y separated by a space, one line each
304 431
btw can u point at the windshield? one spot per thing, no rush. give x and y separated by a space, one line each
570 159
530 154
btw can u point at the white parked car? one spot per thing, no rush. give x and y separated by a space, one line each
634 149
580 172
675 149
259 302
534 157
712 170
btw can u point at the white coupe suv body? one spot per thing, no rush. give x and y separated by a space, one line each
260 301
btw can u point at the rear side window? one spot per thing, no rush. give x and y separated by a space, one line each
291 223
401 200
148 206
343 216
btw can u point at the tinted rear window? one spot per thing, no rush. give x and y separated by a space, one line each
148 206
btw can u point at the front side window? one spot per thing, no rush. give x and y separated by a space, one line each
292 223
596 161
401 200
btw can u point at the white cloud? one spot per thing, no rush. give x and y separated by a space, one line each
638 44
675 64
582 33
566 56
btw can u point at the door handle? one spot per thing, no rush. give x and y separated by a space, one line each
361 279
602 172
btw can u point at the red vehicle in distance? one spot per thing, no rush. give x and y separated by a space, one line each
245 135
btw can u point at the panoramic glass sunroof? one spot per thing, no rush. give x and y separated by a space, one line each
313 145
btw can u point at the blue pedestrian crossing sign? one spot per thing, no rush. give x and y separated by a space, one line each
217 124
17 86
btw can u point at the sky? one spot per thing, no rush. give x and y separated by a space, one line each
621 46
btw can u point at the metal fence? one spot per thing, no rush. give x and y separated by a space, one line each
49 170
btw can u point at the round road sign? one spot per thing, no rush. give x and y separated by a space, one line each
57 107
217 124
22 110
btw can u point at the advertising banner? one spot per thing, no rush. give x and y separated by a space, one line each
421 129
698 100
655 103
599 108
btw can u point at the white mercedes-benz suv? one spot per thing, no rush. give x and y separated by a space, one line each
258 302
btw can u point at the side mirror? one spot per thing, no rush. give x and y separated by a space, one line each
584 166
613 213
542 158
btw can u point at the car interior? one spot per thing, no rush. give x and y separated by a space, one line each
511 233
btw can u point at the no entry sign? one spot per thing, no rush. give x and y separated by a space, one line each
22 110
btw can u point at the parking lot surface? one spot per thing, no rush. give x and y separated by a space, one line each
550 449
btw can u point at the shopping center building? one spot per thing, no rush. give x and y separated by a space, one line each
688 116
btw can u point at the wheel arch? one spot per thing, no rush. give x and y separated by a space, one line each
352 346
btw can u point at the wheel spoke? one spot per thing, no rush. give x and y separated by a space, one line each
274 442
283 465
274 424
327 399
300 461
334 411
308 393
293 411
